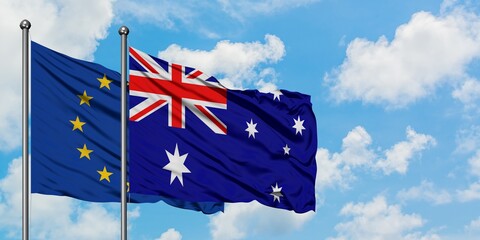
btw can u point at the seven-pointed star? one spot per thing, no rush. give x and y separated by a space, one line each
104 82
77 124
286 150
251 128
104 174
298 125
85 98
276 94
85 152
176 165
276 192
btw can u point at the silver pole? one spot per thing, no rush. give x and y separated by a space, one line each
25 26
123 31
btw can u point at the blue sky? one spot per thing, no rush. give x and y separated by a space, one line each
394 88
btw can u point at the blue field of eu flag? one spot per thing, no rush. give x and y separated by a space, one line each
193 139
75 133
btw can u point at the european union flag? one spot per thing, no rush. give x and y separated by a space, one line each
75 132
193 139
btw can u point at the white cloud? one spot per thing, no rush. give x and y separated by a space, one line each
379 220
189 15
421 236
170 14
473 226
398 157
474 163
53 217
241 220
11 196
72 27
337 168
471 231
468 140
90 222
268 80
166 14
134 213
236 63
468 93
331 171
448 5
355 150
427 192
243 9
170 234
425 53
472 193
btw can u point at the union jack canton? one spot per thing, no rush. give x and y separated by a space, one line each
178 87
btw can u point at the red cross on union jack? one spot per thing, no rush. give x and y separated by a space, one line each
171 86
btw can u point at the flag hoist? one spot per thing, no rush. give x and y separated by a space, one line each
123 31
25 26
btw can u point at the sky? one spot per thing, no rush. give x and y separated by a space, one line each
395 90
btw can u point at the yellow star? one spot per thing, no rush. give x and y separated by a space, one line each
104 82
85 152
77 124
85 98
104 174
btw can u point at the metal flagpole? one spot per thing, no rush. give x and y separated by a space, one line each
25 26
123 31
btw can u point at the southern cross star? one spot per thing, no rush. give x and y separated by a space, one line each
251 128
276 94
176 165
276 192
286 150
298 125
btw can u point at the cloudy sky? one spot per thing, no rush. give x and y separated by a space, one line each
395 89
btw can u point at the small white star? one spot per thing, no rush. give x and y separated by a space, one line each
276 192
176 165
298 125
286 150
251 128
276 94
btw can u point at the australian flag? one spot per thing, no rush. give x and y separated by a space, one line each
76 132
193 139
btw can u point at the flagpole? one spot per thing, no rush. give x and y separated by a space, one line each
123 31
25 26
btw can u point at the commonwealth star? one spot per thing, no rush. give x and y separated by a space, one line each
176 165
